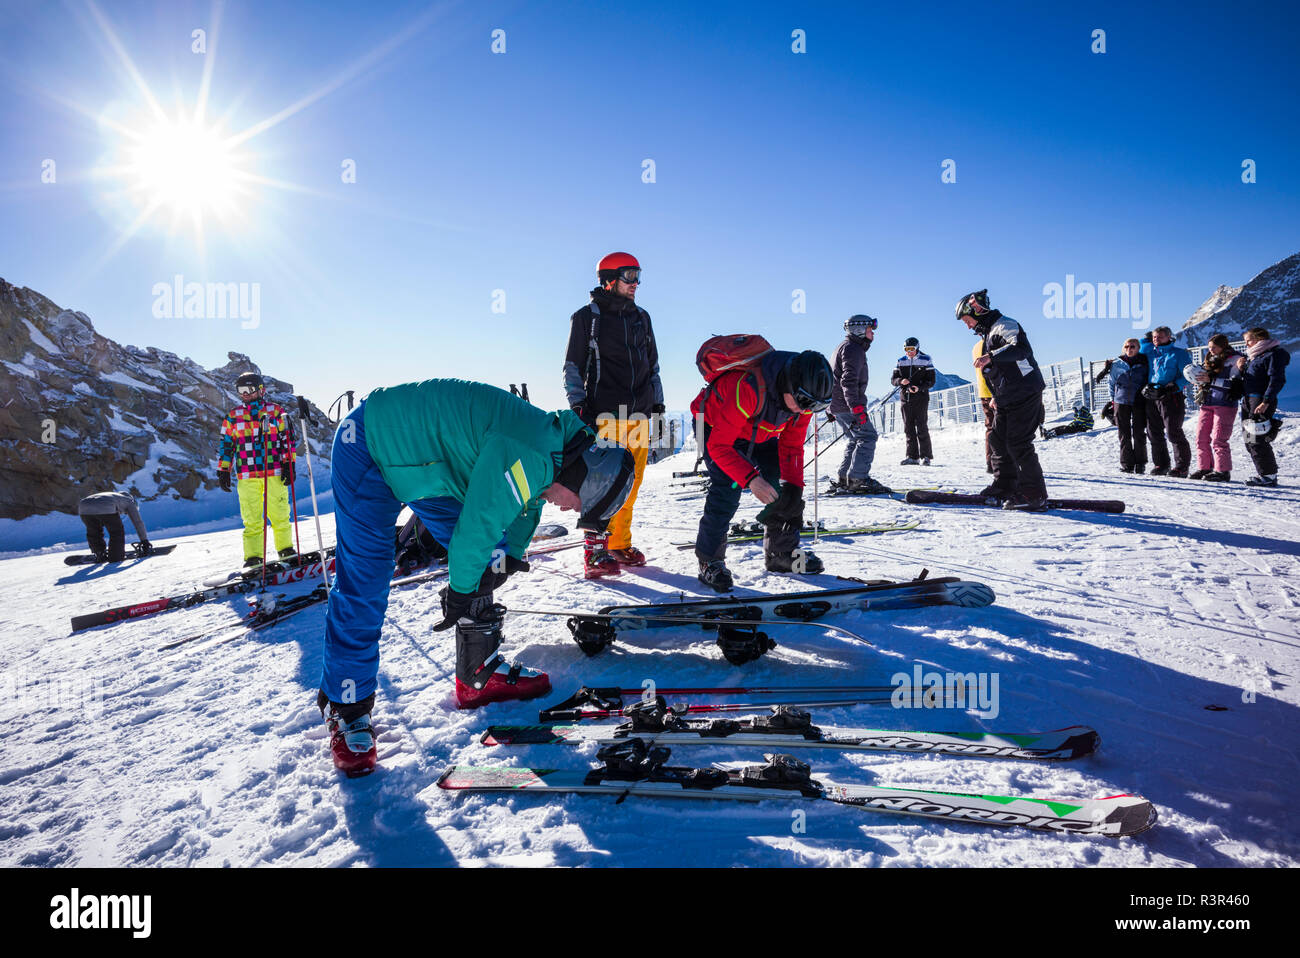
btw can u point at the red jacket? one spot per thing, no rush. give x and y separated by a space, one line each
739 417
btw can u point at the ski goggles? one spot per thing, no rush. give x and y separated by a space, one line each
868 323
630 275
911 349
248 390
808 402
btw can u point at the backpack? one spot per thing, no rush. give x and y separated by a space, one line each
723 354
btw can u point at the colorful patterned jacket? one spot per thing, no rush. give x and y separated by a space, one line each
256 437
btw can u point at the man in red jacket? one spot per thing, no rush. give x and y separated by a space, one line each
750 425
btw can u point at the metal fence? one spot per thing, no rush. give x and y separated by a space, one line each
1069 383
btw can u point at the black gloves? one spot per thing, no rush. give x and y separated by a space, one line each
143 548
493 579
658 409
1149 392
458 605
585 416
223 477
287 472
786 509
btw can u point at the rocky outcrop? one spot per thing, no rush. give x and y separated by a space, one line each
1270 300
80 413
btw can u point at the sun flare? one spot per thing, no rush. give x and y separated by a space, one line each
183 167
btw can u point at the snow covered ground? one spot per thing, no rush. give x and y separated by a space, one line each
1174 629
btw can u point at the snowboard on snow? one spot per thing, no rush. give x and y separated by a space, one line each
86 558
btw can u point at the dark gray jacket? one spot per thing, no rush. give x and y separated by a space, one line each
850 369
113 503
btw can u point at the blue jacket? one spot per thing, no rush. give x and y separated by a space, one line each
1265 375
1167 364
1128 377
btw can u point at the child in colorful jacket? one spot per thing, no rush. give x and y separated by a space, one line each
258 445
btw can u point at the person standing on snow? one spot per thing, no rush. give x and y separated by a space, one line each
475 464
1218 388
611 379
1166 404
102 513
1129 375
259 446
849 407
1263 374
753 422
914 378
1017 385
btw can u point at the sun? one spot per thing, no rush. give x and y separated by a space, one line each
185 168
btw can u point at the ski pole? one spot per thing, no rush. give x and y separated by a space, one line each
304 411
816 479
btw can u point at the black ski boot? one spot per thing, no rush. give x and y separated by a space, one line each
716 575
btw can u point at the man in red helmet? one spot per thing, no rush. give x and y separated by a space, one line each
611 378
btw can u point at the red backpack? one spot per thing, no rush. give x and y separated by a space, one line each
723 354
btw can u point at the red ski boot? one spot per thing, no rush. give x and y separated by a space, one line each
508 683
597 560
483 676
629 556
352 742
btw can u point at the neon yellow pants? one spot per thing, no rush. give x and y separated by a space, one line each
635 435
277 513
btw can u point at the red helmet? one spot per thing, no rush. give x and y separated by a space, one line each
611 267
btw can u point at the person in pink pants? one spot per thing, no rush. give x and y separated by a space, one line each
1218 388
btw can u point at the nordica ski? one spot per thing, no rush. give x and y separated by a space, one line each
789 727
86 558
633 768
280 572
754 536
924 497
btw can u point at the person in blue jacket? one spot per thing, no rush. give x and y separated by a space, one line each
1263 374
1166 404
1129 375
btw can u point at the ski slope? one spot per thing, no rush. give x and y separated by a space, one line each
1173 629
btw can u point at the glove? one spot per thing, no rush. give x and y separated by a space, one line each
787 507
585 416
1149 392
1168 389
143 548
287 472
861 413
458 605
658 409
223 477
493 580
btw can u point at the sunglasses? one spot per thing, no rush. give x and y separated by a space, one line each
630 275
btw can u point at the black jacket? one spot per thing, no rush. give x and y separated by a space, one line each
919 372
626 357
850 369
1013 375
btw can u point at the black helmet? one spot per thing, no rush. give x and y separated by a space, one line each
859 323
911 342
251 383
974 304
601 473
811 380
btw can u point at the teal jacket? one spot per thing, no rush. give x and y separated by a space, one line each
492 451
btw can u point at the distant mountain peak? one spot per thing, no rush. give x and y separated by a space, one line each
1270 299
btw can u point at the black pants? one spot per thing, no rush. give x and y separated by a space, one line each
1015 463
1259 447
96 526
723 498
987 405
1165 415
916 426
1067 429
1132 423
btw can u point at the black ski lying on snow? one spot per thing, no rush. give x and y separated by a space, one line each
924 497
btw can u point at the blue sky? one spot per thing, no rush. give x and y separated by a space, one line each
775 171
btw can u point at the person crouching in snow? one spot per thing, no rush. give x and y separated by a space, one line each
475 464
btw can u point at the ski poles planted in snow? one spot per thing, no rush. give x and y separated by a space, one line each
304 411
